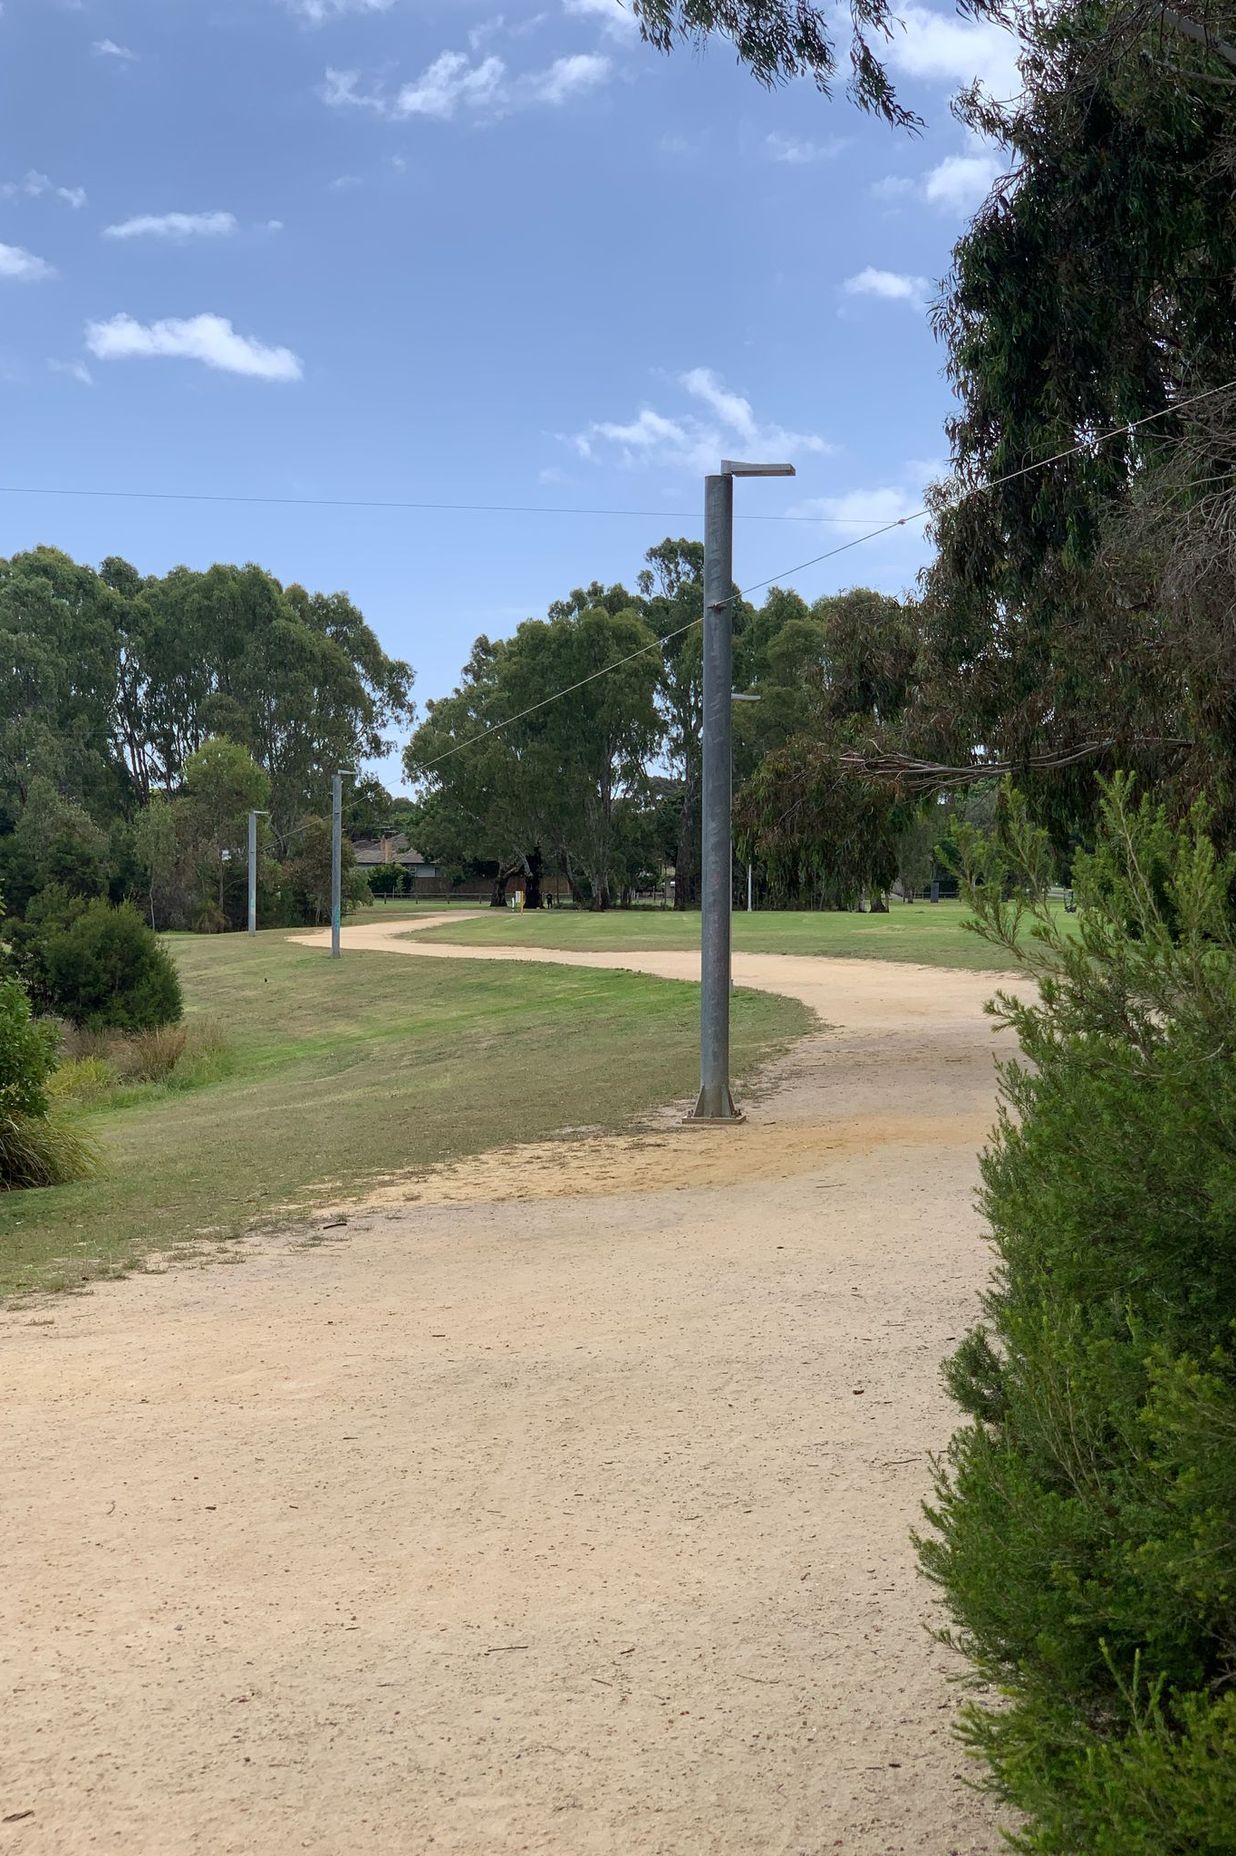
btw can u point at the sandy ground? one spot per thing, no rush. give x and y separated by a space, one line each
556 1503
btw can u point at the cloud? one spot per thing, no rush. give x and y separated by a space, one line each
108 48
692 440
612 14
898 502
961 182
942 48
796 152
209 339
958 184
451 83
893 286
455 84
318 12
75 370
863 508
35 185
174 225
564 78
22 267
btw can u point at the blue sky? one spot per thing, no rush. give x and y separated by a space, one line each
463 252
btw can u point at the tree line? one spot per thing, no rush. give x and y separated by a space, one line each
142 717
603 783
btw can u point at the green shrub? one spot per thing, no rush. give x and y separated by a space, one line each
81 1080
43 1150
150 1056
107 968
112 1068
35 1149
1084 1524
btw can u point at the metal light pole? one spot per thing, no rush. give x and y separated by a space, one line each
716 889
336 858
746 696
253 819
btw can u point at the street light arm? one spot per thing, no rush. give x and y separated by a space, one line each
729 468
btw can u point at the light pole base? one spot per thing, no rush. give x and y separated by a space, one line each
714 1105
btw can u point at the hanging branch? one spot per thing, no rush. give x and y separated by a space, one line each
926 776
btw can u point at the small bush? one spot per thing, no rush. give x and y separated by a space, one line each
1085 1519
107 969
35 1149
27 1054
43 1150
96 1065
81 1080
150 1056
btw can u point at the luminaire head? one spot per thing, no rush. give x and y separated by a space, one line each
730 469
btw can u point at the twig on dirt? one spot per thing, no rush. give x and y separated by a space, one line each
495 1647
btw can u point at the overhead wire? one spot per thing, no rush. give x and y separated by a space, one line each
981 489
337 502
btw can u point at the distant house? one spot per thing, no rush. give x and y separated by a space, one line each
391 848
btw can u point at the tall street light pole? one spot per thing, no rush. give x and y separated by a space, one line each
253 819
336 858
715 1101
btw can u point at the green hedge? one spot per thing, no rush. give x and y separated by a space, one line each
36 1148
1084 1523
106 969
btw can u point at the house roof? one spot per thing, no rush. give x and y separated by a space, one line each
370 852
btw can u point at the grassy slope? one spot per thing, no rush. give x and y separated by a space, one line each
930 933
361 1067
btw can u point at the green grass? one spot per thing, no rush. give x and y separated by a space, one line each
930 933
344 1070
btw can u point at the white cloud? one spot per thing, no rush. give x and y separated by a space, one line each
317 12
961 182
564 78
887 503
942 48
612 14
732 409
35 185
863 508
451 83
958 184
893 286
22 267
75 370
692 440
796 152
454 84
108 48
174 225
500 27
209 339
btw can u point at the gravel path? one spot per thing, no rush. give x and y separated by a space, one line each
557 1503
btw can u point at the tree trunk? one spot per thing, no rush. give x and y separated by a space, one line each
497 896
687 857
535 867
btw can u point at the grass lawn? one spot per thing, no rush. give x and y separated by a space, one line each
368 1065
930 933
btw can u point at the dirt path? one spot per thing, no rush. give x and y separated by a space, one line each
565 1525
